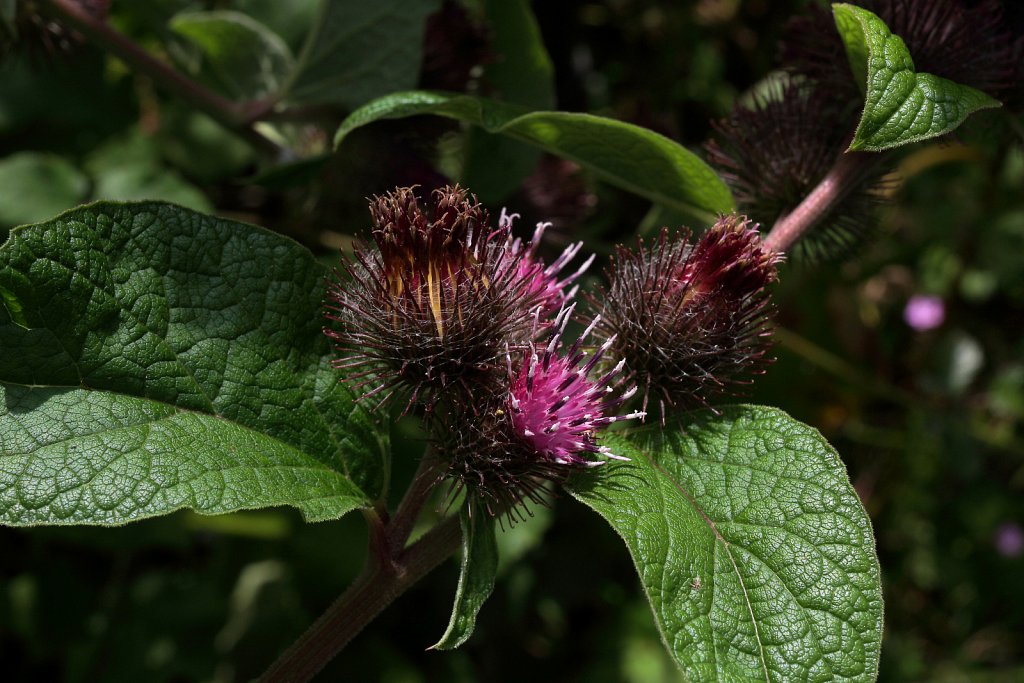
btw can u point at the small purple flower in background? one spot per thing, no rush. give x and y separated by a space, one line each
924 312
1009 539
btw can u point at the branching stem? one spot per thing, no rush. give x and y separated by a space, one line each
374 589
390 569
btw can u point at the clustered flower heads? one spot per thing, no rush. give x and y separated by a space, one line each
468 323
691 319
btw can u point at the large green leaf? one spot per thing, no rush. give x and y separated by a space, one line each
237 55
360 49
477 570
156 358
901 106
72 456
754 550
634 158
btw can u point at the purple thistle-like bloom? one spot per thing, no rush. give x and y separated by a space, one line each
430 307
543 282
556 408
544 429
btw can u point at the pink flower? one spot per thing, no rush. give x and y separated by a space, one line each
543 283
924 312
1009 539
556 408
507 453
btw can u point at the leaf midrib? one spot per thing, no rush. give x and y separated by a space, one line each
725 546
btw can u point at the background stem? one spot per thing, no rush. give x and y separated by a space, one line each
237 116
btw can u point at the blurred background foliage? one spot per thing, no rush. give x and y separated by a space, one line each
926 412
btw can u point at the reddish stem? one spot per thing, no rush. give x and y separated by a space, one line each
238 116
841 179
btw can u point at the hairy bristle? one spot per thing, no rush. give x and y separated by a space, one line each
544 429
432 305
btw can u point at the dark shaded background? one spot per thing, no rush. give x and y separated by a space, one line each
929 423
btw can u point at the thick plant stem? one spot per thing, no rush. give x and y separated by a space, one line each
237 116
841 179
369 594
401 524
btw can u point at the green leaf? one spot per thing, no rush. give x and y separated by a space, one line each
71 456
34 186
176 359
237 55
902 106
522 69
360 49
199 146
752 547
290 20
476 576
129 167
523 74
631 157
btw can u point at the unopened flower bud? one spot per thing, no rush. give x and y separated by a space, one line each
691 320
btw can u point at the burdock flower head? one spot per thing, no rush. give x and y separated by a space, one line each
431 306
542 282
690 320
543 429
